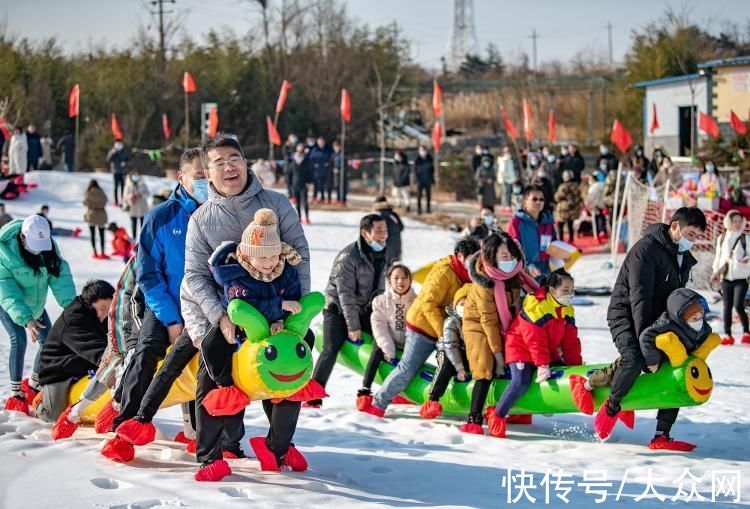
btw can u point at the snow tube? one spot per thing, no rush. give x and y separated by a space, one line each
264 366
689 383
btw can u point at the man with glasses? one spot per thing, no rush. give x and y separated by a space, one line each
534 228
234 195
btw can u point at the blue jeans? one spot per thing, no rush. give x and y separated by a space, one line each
520 380
17 335
416 352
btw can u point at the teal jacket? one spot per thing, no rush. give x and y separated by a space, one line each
23 294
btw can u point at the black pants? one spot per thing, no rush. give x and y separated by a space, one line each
92 233
119 185
376 357
561 229
630 367
153 340
301 202
478 398
319 186
178 357
733 294
134 226
427 190
341 196
335 334
443 374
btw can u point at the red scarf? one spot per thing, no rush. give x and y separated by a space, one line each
499 278
460 270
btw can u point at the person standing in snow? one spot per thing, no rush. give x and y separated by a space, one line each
30 265
67 148
95 202
401 179
34 142
118 159
424 170
135 200
18 149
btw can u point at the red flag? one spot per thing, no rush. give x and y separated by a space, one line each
437 136
621 137
285 87
737 124
73 102
273 134
509 127
213 122
4 128
437 99
708 125
188 84
552 126
346 105
116 131
654 121
527 130
165 126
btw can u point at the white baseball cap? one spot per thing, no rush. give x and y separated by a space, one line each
36 231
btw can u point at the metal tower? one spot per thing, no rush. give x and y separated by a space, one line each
463 40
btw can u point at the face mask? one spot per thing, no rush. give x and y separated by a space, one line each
684 244
603 166
136 179
488 220
32 252
710 168
639 153
119 146
397 159
565 300
200 190
603 151
508 266
658 155
551 158
697 325
422 153
487 164
375 246
460 310
564 152
517 190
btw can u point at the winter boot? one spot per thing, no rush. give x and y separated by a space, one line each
64 427
214 471
431 409
225 401
663 442
583 399
137 431
119 450
266 458
495 423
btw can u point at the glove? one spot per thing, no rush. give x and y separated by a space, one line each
543 373
499 364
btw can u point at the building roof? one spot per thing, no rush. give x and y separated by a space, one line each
671 79
726 62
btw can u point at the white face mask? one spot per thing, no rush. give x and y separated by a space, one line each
565 300
119 146
460 310
696 325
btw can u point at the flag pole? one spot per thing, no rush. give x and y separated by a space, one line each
613 237
75 148
270 143
342 181
187 121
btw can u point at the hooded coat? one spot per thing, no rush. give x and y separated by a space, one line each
529 232
388 319
95 202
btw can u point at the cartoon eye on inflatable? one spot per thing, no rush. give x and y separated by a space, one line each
271 353
301 350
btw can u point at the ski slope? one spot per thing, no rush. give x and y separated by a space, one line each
357 460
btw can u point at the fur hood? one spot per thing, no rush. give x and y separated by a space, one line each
477 273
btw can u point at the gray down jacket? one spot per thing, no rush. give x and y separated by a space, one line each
221 219
352 284
452 340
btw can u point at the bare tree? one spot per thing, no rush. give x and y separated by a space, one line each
383 104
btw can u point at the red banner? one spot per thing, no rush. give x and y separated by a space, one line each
621 137
188 84
273 133
509 127
74 102
437 100
527 129
654 120
708 125
737 124
346 105
116 131
165 126
285 87
552 126
437 136
213 122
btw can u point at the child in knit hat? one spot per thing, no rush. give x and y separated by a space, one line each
260 271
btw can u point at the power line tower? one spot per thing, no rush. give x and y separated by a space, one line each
159 5
463 34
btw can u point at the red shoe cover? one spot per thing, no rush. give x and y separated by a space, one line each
295 460
727 340
229 455
180 438
627 417
312 390
136 432
307 404
495 424
373 410
667 444
472 428
17 404
266 458
745 338
364 402
119 450
29 392
400 400
191 447
603 423
583 399
519 419
105 419
431 409
225 401
214 472
63 427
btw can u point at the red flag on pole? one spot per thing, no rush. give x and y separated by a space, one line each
285 87
188 84
73 102
621 137
116 131
737 124
509 127
654 120
552 126
165 126
346 105
708 125
213 122
273 133
437 136
437 99
527 130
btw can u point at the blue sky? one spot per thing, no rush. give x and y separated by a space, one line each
565 26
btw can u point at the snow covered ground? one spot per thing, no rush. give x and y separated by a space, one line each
357 460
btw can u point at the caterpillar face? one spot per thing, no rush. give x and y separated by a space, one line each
284 362
698 380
